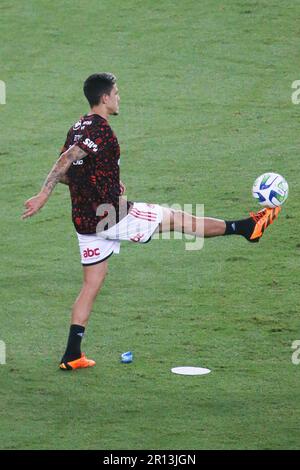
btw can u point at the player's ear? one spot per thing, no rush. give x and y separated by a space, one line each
104 98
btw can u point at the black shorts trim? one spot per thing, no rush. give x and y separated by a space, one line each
97 262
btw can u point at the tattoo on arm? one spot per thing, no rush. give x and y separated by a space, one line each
61 167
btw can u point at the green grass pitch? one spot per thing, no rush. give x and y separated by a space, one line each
205 108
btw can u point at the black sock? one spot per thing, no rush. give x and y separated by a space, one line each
73 350
242 227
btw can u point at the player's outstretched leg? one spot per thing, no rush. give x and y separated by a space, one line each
94 276
251 228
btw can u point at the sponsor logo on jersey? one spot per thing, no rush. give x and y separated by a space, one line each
78 162
90 144
77 137
89 253
87 123
77 125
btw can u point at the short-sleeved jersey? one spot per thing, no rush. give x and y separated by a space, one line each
94 180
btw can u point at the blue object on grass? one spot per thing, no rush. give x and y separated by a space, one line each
127 357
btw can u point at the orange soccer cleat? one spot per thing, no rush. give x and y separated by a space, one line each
80 363
262 220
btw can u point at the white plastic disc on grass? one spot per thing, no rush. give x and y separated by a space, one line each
190 370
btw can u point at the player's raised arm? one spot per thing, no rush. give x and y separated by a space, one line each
34 204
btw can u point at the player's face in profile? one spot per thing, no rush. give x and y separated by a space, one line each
113 101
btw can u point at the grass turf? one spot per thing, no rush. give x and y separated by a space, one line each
205 108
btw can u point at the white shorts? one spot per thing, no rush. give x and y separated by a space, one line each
138 227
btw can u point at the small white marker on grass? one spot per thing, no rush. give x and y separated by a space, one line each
190 370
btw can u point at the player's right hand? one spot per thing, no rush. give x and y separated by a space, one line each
33 205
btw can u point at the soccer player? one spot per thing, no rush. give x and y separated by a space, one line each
102 216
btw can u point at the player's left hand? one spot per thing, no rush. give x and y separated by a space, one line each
33 205
122 188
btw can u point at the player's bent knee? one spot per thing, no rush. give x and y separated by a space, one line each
92 286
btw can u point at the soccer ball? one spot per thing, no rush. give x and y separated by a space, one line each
270 190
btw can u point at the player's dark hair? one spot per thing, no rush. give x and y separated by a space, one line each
97 85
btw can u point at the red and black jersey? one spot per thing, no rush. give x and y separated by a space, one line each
94 180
